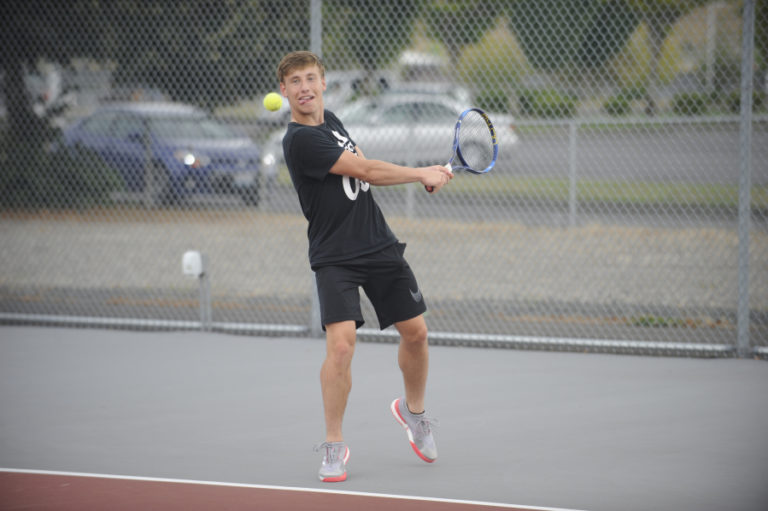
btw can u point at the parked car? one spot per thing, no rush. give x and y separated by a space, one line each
341 87
451 90
408 129
170 150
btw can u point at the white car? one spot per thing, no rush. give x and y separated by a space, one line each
341 88
409 129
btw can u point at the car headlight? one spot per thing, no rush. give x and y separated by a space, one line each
269 159
192 159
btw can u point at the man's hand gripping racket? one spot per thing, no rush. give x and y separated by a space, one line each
475 146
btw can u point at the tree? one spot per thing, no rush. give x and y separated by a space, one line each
206 52
551 33
369 32
659 16
606 33
35 30
571 37
459 23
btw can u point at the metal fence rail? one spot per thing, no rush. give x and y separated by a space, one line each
630 214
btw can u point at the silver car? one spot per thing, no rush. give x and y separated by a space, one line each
409 129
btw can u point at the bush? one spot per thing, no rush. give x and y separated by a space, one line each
636 93
617 106
493 101
733 101
549 104
34 178
690 103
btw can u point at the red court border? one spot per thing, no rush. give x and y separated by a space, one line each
73 491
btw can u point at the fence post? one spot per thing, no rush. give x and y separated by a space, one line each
572 171
206 316
745 209
316 45
195 264
150 196
316 27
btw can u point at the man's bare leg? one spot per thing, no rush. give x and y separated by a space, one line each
336 376
413 358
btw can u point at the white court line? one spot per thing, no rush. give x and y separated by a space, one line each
281 488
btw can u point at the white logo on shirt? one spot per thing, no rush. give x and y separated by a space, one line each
351 194
349 190
344 141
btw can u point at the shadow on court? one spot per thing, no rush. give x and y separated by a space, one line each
554 430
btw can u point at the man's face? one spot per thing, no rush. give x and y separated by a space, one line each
304 90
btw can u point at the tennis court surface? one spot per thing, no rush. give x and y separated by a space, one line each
109 419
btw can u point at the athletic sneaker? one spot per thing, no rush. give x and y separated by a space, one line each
419 430
333 469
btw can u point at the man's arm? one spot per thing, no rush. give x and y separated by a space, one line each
382 173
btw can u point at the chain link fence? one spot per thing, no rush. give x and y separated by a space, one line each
628 211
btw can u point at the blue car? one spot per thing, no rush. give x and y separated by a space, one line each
170 151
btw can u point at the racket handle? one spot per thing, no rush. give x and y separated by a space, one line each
431 189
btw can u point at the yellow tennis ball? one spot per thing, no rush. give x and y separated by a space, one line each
273 101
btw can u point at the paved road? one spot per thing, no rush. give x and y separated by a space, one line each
592 432
673 153
665 151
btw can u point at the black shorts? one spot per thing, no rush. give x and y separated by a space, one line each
387 280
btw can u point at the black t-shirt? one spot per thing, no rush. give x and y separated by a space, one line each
344 220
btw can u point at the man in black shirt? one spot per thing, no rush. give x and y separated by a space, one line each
351 246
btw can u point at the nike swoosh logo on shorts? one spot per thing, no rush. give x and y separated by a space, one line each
416 295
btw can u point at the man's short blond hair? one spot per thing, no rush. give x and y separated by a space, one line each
298 60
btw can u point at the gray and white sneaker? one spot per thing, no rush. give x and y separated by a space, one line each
335 457
419 430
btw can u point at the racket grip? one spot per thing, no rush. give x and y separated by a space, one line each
431 189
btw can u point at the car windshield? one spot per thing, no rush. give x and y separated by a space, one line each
195 128
358 113
398 113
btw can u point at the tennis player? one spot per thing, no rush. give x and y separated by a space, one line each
351 246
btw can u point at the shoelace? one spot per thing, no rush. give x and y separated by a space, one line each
332 452
425 424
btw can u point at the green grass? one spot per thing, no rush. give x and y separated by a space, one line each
639 193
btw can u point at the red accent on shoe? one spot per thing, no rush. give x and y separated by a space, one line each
337 479
401 420
342 477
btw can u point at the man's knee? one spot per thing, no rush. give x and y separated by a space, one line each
413 332
340 342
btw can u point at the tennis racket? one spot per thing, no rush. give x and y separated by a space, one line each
475 146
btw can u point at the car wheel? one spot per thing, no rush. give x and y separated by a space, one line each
250 195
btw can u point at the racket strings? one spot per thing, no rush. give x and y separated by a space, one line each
475 141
